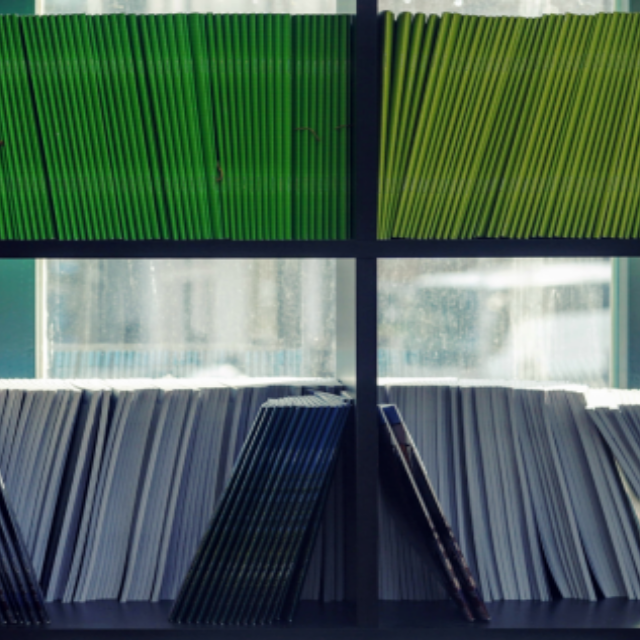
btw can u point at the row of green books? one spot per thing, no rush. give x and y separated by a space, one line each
175 127
209 126
510 127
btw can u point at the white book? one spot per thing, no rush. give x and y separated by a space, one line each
123 402
483 547
460 516
89 508
168 581
29 470
582 485
28 438
194 510
55 470
614 415
496 474
8 425
124 496
157 482
556 519
531 549
73 494
611 504
175 494
202 502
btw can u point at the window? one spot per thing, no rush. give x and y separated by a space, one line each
517 319
197 6
523 319
526 8
188 318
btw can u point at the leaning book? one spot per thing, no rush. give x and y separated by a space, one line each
415 505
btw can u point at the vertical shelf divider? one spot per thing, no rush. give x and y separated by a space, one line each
357 326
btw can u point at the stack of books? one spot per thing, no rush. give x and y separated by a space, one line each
181 127
21 599
616 413
489 490
114 482
501 127
252 562
528 476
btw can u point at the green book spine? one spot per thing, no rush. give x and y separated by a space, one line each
234 78
512 181
426 114
178 115
613 221
196 84
65 195
165 199
287 125
229 168
259 134
298 39
435 193
254 212
278 80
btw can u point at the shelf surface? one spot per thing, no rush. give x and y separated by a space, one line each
611 614
565 619
138 619
318 248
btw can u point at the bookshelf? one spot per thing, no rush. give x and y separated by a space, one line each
364 616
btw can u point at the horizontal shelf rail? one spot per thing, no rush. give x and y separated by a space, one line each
158 249
568 620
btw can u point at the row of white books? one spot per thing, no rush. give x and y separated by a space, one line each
114 482
537 480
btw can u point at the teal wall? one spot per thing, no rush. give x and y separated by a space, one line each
19 7
17 319
17 286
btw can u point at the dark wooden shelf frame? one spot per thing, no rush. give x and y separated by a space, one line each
565 620
355 249
365 616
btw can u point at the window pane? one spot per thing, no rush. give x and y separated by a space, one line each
529 8
518 319
185 318
197 6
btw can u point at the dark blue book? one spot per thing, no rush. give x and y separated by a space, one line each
251 563
21 601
